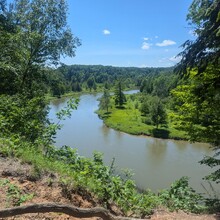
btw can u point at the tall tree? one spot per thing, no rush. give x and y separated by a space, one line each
157 112
119 96
204 17
198 106
33 34
91 83
105 101
42 35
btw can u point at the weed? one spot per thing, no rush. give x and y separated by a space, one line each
15 196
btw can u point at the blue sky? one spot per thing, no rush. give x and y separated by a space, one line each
140 33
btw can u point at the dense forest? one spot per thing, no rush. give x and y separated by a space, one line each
34 35
77 78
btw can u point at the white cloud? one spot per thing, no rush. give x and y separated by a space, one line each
146 46
175 59
106 32
166 43
146 38
156 37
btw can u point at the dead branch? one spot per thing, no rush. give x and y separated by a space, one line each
66 209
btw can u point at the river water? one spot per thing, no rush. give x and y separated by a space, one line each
156 163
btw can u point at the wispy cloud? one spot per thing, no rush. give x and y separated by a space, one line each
146 46
166 43
156 37
146 38
106 32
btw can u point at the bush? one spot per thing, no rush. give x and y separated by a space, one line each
182 196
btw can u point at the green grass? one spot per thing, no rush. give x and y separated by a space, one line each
129 120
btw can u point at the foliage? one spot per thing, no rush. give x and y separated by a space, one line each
50 131
89 175
119 96
213 200
98 77
200 63
133 121
91 83
15 196
21 116
98 178
35 34
182 196
105 101
153 109
204 50
157 112
198 113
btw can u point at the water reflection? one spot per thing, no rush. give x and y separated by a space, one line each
105 131
156 151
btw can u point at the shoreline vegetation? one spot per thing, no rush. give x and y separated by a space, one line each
129 119
25 182
94 181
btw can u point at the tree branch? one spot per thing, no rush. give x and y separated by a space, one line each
67 209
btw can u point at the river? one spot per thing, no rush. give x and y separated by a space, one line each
156 163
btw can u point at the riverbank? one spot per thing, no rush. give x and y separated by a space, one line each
18 188
129 120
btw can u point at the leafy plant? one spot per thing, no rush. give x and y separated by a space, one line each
182 196
15 196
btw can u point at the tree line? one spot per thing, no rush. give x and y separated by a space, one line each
77 78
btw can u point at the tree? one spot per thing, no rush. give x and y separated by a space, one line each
33 35
76 87
198 106
160 86
146 85
105 101
120 98
41 35
91 83
157 112
145 105
10 59
205 50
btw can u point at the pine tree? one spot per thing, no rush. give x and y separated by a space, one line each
120 98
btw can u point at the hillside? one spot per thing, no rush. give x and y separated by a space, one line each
18 177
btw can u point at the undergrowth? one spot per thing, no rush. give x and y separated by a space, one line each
14 195
91 175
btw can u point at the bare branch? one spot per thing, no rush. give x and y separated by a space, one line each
66 209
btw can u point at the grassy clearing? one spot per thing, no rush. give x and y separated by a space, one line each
130 120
